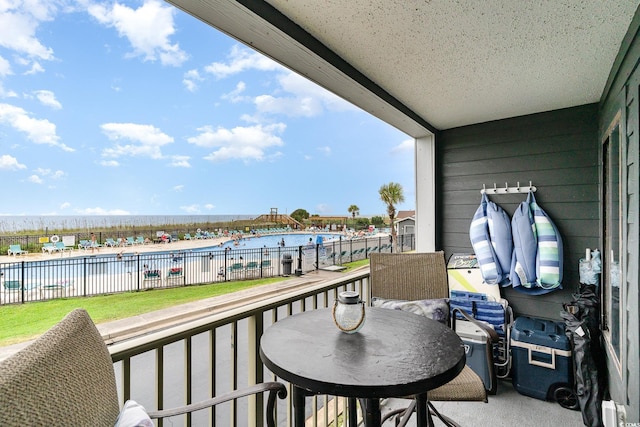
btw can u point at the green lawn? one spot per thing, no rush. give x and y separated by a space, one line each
22 322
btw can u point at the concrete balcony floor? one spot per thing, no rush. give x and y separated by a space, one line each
507 408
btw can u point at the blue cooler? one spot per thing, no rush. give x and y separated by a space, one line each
541 356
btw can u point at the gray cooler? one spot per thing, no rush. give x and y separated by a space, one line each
479 352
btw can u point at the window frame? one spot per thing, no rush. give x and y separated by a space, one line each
614 339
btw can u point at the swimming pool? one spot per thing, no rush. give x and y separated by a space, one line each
76 269
272 241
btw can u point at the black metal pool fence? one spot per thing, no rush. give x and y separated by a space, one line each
64 274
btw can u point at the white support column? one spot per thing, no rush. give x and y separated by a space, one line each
425 160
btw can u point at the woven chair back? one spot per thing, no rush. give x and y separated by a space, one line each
65 377
411 276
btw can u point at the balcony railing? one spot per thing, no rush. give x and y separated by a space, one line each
189 362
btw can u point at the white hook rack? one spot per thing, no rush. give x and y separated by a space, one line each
508 190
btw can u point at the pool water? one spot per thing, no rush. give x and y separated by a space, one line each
74 268
272 241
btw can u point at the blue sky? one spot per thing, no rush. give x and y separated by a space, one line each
136 108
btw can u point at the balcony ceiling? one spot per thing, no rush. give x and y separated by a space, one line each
432 65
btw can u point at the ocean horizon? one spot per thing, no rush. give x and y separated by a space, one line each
17 223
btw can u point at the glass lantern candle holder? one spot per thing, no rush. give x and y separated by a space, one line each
348 312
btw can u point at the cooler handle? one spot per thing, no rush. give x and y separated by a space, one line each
545 350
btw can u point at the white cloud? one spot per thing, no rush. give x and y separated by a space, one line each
65 205
178 188
39 131
147 28
242 59
8 162
49 173
304 88
246 143
191 79
110 163
101 211
326 150
288 106
48 98
35 69
147 140
7 93
235 95
304 99
180 161
209 206
35 179
19 23
191 209
5 67
295 96
406 146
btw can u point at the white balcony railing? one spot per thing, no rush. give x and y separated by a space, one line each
189 362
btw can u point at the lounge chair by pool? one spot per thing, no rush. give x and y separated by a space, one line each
175 276
16 250
151 279
57 289
49 247
61 247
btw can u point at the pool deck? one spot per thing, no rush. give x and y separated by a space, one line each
179 245
176 246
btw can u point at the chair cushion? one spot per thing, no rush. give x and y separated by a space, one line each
467 386
133 415
436 309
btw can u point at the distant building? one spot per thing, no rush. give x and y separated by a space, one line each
405 222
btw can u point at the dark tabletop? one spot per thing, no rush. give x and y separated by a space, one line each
396 353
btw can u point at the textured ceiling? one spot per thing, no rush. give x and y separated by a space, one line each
462 62
451 62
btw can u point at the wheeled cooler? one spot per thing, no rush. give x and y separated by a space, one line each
541 360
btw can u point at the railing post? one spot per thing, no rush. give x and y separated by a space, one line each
298 271
225 264
22 285
84 276
255 369
137 271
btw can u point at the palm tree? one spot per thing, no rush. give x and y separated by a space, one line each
391 194
354 210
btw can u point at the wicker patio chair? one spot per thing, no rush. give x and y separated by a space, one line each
66 377
419 276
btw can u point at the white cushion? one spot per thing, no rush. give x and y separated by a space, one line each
133 415
436 309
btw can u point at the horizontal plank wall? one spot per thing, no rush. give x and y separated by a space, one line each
558 152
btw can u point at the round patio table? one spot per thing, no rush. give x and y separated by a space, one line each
395 354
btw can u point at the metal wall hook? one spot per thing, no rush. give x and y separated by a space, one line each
507 189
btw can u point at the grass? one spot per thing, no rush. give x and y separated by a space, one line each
22 322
